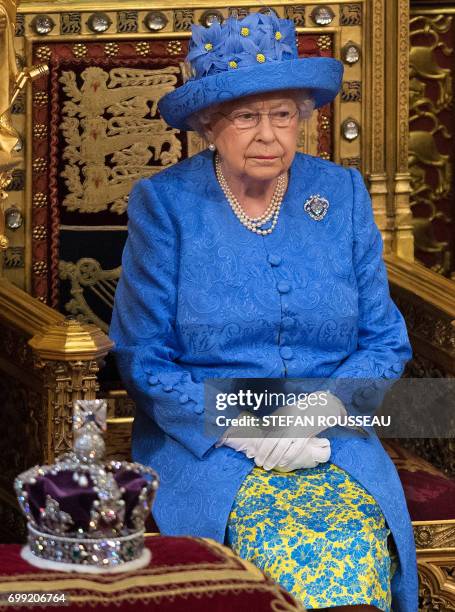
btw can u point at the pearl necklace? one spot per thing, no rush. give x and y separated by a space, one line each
254 223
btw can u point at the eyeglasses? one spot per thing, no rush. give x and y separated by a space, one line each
248 120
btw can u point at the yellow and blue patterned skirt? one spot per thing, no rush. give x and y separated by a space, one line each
318 533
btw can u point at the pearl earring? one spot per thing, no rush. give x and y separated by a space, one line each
212 146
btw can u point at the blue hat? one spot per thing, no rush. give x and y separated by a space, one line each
247 56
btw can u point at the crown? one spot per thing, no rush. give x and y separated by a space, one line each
82 514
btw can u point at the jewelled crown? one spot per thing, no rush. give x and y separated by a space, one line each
83 514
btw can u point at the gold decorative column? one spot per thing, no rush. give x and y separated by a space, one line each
69 353
396 122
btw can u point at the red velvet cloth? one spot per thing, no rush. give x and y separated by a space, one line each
184 574
430 494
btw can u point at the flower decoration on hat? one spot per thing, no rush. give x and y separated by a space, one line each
239 43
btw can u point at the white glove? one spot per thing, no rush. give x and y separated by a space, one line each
267 447
304 453
282 454
273 448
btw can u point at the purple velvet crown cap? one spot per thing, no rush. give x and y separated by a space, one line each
75 498
82 513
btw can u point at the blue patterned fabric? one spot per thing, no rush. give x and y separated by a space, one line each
318 533
245 56
201 296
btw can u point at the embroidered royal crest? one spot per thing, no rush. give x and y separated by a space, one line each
316 206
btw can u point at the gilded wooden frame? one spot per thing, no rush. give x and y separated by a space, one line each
382 113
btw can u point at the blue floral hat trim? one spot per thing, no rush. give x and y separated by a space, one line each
246 56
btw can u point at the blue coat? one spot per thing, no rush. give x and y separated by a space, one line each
202 296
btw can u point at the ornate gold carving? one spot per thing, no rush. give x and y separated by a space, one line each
20 23
351 91
426 324
435 535
127 21
351 14
17 182
8 73
424 154
403 87
423 63
87 276
183 19
400 222
68 353
65 382
437 583
110 115
70 23
297 13
70 340
14 257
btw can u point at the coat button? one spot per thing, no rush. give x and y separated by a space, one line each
283 287
274 259
167 388
286 352
154 380
199 409
183 398
287 323
397 368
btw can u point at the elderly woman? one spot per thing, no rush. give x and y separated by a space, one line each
252 260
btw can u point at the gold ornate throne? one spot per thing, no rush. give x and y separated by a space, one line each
90 127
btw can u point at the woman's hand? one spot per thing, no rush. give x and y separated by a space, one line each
282 454
304 453
276 448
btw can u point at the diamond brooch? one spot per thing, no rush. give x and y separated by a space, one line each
316 206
